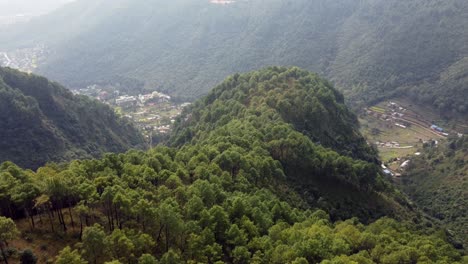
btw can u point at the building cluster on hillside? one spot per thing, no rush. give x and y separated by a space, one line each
14 19
392 144
142 99
163 129
107 94
398 166
126 101
222 2
439 130
394 111
153 97
25 60
153 113
97 91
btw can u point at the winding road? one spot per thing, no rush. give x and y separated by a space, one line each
8 60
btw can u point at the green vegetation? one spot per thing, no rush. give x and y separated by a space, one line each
371 49
41 121
437 181
229 190
8 231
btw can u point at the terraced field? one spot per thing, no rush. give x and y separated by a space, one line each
399 128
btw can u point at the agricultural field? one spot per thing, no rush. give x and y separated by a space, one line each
399 129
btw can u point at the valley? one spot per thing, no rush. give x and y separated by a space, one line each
426 156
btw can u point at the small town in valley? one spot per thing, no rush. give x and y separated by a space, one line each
154 113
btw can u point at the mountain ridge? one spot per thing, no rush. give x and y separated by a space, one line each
42 121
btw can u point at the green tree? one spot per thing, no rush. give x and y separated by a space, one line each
147 259
94 246
119 245
67 256
170 222
241 255
171 257
8 231
236 236
220 222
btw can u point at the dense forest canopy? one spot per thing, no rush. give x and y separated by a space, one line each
41 121
371 49
228 191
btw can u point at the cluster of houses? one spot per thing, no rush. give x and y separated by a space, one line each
396 113
222 2
398 172
163 129
107 94
392 144
439 130
23 59
127 101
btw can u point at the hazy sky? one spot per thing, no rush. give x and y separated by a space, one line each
33 7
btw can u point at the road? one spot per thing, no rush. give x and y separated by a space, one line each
419 125
405 147
8 61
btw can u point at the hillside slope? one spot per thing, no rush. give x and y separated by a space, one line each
41 121
371 49
437 182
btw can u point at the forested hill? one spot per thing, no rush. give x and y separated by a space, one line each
371 49
303 100
242 185
41 121
293 117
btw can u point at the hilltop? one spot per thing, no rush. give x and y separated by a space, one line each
41 121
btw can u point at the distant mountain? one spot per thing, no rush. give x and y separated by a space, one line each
41 121
371 49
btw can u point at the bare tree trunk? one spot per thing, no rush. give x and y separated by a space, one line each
40 217
71 216
81 227
49 213
60 213
31 215
167 239
3 252
31 224
159 233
